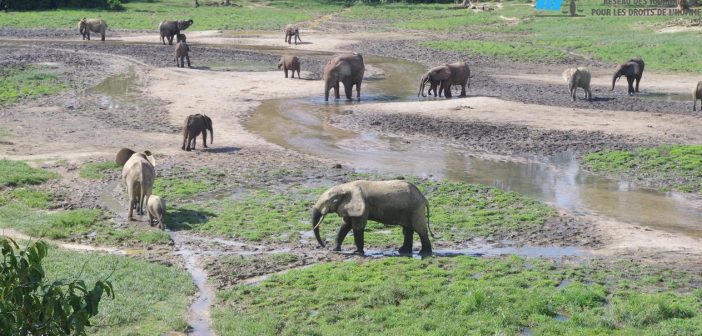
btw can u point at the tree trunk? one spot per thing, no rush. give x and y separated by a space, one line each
195 4
466 4
682 5
226 3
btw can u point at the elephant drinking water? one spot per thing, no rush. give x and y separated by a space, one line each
347 69
389 202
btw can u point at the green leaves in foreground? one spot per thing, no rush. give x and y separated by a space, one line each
31 305
442 296
667 166
16 84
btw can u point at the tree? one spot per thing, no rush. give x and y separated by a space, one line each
682 5
29 305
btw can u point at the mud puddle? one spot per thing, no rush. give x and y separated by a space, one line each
302 125
118 90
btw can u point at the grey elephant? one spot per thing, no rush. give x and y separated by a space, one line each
168 29
696 94
194 125
289 62
432 77
389 202
578 78
182 51
156 207
447 75
98 26
292 31
633 71
347 69
138 175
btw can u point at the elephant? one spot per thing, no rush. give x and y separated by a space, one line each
447 75
156 207
290 32
393 202
168 29
697 94
85 26
181 51
578 78
633 70
289 62
194 125
138 176
348 69
431 78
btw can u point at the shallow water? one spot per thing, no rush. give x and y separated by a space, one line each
116 91
302 125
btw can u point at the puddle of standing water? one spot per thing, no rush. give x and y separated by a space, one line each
302 125
117 90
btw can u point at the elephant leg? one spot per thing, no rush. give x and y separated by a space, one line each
694 104
463 90
630 81
348 90
407 244
102 37
188 59
336 91
286 72
447 91
151 220
638 79
426 245
358 91
358 225
343 232
88 36
204 138
292 73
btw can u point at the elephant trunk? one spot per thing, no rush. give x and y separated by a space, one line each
422 82
211 134
327 87
317 218
614 79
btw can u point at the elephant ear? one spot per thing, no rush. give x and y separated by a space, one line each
150 157
123 156
354 204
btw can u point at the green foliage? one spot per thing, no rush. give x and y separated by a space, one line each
667 166
456 296
53 4
97 170
152 298
16 84
18 173
29 304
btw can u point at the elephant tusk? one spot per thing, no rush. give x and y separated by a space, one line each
319 222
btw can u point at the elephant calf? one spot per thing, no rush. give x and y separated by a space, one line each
290 32
182 51
578 78
633 71
697 94
444 76
194 125
289 62
156 207
85 26
389 202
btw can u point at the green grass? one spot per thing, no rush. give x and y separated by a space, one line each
32 198
150 299
253 15
450 296
18 173
667 167
16 84
457 211
170 188
506 50
98 170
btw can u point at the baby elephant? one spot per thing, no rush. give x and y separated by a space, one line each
578 78
289 62
181 51
157 209
290 32
697 94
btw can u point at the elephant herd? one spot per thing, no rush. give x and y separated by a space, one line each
580 77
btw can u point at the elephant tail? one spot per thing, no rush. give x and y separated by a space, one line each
141 190
429 227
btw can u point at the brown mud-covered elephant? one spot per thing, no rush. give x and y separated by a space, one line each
633 71
98 26
138 175
168 29
457 73
194 125
182 51
292 31
578 78
697 95
289 62
347 69
389 202
156 207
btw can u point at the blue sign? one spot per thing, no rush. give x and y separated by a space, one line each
554 5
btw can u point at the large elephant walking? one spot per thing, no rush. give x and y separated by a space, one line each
169 28
194 125
138 175
347 69
633 71
457 73
388 202
85 26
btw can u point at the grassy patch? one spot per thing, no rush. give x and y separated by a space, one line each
457 211
170 188
17 173
456 296
16 84
148 14
98 170
500 49
30 197
676 167
150 299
